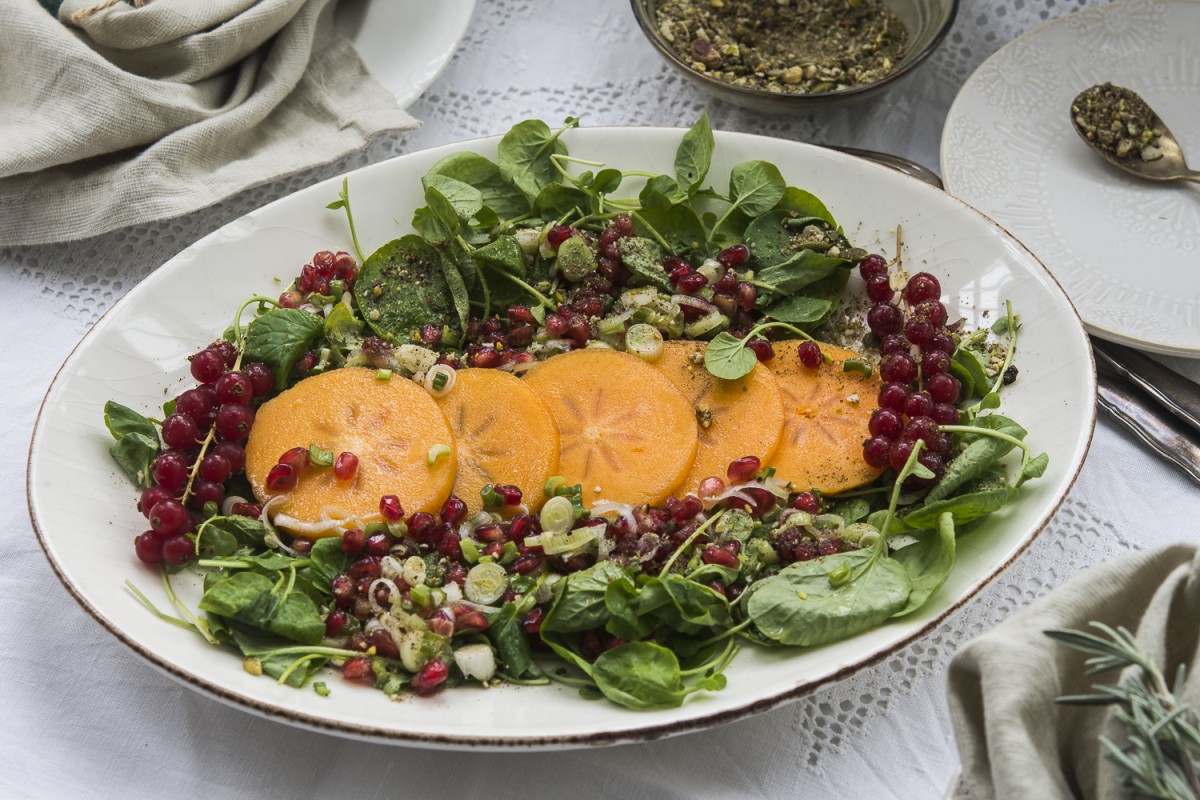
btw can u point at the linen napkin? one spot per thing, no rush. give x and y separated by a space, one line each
117 113
1014 741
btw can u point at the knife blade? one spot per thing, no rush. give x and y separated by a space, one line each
1163 433
1173 391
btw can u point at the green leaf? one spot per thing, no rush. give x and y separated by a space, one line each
696 604
800 605
643 257
728 357
580 605
342 326
694 156
755 187
972 363
607 181
503 254
1034 469
298 619
806 204
678 225
928 562
456 284
403 286
1000 327
982 453
431 228
965 508
659 193
625 621
512 645
122 420
134 453
798 309
280 338
326 559
241 531
244 596
558 200
801 269
497 192
444 210
524 156
466 200
642 675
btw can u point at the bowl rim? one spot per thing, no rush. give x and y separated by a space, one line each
651 34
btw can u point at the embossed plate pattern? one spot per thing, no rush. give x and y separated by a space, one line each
1127 251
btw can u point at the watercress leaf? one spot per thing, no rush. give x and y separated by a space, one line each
640 675
402 286
498 193
430 226
326 559
989 401
965 508
694 156
607 181
928 563
466 200
512 645
798 309
580 606
1001 326
456 285
707 573
134 453
342 326
805 204
443 209
280 338
696 603
121 420
851 510
679 225
972 363
728 357
965 377
801 606
756 186
503 254
244 596
643 257
1034 469
620 598
799 270
524 156
558 200
731 230
298 619
212 542
242 531
565 648
261 646
335 205
981 454
659 193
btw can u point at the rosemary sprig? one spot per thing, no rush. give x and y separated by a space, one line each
1162 756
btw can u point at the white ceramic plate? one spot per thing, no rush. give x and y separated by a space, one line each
1125 250
405 44
141 345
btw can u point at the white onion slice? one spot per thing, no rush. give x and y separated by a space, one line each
623 510
431 375
695 302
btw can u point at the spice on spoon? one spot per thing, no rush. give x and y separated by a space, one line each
1118 120
786 46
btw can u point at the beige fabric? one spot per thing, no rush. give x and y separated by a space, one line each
147 113
1015 742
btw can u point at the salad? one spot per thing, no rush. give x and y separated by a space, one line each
566 434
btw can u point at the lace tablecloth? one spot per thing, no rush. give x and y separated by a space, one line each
83 716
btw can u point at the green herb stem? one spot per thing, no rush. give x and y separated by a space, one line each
541 298
155 610
198 624
654 234
688 541
909 466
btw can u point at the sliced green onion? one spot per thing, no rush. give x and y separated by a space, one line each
420 595
485 583
558 515
319 456
645 342
383 374
552 485
469 550
436 452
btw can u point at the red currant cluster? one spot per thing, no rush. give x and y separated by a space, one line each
328 274
920 394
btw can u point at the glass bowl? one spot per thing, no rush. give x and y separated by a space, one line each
927 21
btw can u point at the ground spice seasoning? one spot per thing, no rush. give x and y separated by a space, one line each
787 46
1118 120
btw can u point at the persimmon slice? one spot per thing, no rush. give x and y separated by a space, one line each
624 429
505 434
743 417
390 425
826 411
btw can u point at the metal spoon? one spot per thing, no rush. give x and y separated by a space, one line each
1170 167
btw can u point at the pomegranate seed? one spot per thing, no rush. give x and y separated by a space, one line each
711 487
469 620
743 469
431 678
872 266
178 550
345 466
233 421
251 510
379 544
485 358
335 622
715 555
207 366
342 588
578 329
522 525
922 287
559 234
807 501
389 506
691 282
148 548
489 533
828 547
358 641
358 669
431 334
282 478
381 639
746 295
810 355
441 622
179 431
420 527
686 509
353 541
365 567
519 313
454 510
291 299
526 564
556 326
450 546
763 350
734 256
531 623
297 458
726 283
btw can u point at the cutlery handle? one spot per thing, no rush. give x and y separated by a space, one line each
1174 392
1161 432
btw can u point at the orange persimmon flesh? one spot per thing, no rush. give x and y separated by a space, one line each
737 418
391 425
826 411
505 434
627 434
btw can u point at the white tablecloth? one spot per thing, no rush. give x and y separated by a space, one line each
80 715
